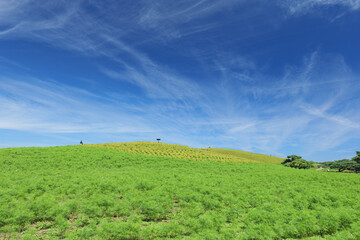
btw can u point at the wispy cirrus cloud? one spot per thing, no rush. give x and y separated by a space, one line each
181 19
52 107
306 6
296 109
340 119
72 28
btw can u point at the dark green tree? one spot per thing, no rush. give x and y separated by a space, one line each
295 161
290 159
344 164
357 157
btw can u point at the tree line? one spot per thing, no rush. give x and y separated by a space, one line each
344 164
353 164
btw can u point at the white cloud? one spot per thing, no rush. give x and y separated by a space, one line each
304 109
305 6
331 117
55 108
72 28
169 20
241 128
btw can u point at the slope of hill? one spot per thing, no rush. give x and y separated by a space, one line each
252 157
184 152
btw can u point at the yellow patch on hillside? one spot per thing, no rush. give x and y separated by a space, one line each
185 152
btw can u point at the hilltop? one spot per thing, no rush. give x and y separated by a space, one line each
188 153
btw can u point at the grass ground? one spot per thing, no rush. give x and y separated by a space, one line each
83 192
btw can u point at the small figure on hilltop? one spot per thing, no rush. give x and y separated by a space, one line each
81 142
158 139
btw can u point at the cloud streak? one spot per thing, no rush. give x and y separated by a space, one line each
306 6
55 108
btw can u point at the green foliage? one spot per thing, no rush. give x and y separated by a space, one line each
295 161
291 158
357 157
344 164
79 192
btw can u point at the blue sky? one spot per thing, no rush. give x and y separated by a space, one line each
274 77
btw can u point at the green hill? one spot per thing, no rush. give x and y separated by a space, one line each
184 152
249 156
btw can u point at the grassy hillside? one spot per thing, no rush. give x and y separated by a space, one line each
251 157
184 152
80 192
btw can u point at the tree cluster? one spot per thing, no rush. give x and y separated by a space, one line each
344 164
295 161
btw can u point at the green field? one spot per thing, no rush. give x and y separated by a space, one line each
85 192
